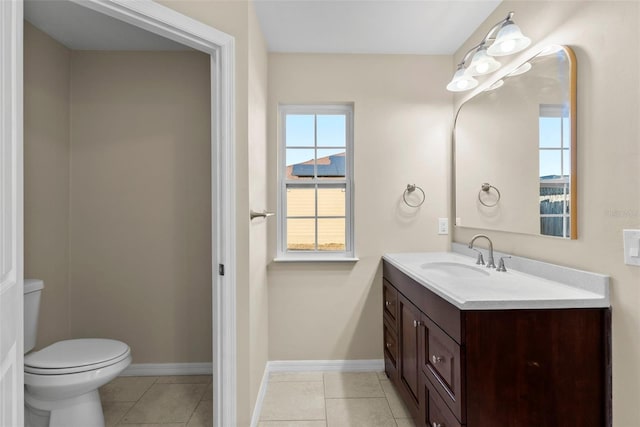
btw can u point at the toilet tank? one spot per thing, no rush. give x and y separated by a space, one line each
32 292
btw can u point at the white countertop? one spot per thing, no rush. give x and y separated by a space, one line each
487 289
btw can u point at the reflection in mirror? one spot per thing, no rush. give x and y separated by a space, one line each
519 135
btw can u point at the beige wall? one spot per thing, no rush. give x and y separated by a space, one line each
606 39
46 178
259 296
402 116
140 241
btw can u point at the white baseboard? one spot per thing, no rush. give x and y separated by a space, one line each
367 365
160 369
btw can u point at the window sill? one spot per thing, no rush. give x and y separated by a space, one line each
316 259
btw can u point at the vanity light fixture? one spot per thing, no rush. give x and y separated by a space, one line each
509 40
521 69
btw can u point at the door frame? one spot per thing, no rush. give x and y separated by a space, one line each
166 22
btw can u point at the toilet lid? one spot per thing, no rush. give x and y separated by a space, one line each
76 353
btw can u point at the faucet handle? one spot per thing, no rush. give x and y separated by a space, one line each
480 260
501 266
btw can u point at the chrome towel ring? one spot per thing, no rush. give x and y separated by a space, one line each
410 189
486 187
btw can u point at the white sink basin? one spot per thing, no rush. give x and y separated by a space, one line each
454 269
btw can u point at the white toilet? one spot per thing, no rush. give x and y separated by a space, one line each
61 381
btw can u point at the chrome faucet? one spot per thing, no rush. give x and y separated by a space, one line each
490 262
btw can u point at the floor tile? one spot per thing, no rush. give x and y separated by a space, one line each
153 425
208 395
185 379
316 423
405 422
203 415
166 403
295 376
398 408
126 389
293 401
372 412
114 411
352 384
382 375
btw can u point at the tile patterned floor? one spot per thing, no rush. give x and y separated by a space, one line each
332 399
295 399
171 401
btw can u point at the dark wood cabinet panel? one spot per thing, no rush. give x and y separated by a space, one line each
514 368
536 368
443 365
390 304
433 411
409 322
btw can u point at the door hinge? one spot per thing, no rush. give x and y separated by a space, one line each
221 269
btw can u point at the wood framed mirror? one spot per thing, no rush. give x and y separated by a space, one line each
515 163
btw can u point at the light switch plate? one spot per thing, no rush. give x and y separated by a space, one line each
631 247
443 225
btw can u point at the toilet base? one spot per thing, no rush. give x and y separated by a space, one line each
80 411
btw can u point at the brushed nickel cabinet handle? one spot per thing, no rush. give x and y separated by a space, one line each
387 303
388 345
416 323
437 359
435 424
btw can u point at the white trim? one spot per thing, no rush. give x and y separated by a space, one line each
160 369
346 109
293 258
262 392
168 23
363 365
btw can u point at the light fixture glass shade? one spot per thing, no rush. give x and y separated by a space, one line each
521 69
495 86
509 40
482 64
461 81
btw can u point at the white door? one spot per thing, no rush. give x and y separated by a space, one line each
11 298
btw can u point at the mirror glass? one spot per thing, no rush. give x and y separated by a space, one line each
515 150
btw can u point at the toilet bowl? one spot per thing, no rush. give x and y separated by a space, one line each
61 381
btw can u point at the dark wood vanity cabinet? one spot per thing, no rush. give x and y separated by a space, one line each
480 368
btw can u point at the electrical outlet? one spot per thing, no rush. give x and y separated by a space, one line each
631 240
443 225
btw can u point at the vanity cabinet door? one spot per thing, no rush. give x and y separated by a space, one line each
390 303
410 325
443 365
433 411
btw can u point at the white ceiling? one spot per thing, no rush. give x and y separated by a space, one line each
428 27
80 28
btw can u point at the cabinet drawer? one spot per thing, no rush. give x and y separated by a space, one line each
390 345
437 414
442 364
390 303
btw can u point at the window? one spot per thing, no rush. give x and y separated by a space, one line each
316 190
555 170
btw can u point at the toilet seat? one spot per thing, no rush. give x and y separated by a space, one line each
74 356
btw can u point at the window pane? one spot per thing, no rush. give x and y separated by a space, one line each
301 234
331 201
300 130
331 163
550 132
331 234
566 162
300 163
550 163
332 130
301 201
551 226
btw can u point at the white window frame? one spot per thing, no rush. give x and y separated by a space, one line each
282 253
